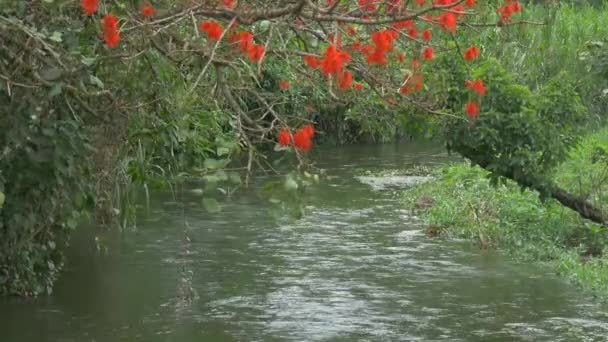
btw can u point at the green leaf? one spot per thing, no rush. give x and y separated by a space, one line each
290 183
51 74
88 61
221 175
2 198
235 177
71 223
96 81
222 151
211 178
56 90
56 36
213 164
211 205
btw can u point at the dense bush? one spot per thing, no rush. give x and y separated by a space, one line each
521 135
45 166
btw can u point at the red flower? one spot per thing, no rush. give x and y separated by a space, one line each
427 34
401 57
309 130
312 61
458 10
255 52
403 24
477 86
147 10
367 5
213 29
393 5
448 21
303 138
334 60
472 109
509 9
229 4
367 49
345 80
284 137
383 42
428 53
469 3
358 86
415 64
110 31
471 53
89 6
405 89
283 85
245 39
351 31
516 6
413 33
377 57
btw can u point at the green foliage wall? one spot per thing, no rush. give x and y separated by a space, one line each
44 164
519 134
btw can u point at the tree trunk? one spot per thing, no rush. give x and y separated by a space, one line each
579 204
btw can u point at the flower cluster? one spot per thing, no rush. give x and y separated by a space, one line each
212 29
383 43
228 4
334 60
147 11
472 107
89 6
244 39
301 140
110 31
412 84
510 7
471 53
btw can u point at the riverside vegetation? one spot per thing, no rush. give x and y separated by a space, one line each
461 203
103 99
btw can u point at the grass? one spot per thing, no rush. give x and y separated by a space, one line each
536 53
461 203
540 52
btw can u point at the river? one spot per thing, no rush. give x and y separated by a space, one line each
357 267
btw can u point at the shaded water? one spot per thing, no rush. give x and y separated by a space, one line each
357 267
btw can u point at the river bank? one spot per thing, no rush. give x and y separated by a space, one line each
460 203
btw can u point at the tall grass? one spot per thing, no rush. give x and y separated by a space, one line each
535 53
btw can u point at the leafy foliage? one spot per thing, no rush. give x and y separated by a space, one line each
520 135
44 158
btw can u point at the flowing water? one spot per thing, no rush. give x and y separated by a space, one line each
357 267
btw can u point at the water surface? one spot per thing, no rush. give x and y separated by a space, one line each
356 267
